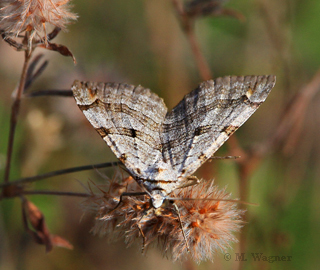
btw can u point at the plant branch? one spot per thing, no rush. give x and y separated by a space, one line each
59 172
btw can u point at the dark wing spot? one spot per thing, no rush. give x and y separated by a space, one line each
202 156
103 131
92 92
133 133
86 107
229 129
159 147
128 132
201 130
245 99
123 158
138 171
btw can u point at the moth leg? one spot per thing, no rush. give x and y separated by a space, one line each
142 234
127 194
13 43
145 212
190 181
181 227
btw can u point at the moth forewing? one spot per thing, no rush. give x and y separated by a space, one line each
161 149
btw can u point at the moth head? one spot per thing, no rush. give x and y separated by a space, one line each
157 198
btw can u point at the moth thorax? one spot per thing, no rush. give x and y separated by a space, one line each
157 198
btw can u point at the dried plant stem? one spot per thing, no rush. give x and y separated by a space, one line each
202 64
14 114
59 172
187 25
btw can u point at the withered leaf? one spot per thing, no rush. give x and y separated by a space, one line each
54 33
63 50
41 235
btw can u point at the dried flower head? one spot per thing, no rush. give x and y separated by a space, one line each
208 224
17 16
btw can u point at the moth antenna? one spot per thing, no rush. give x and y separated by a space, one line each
224 157
181 227
191 181
209 199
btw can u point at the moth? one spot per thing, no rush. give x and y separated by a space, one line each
162 149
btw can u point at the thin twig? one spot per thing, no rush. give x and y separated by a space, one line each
59 172
14 115
59 193
50 92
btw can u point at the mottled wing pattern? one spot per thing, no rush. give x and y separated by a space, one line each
206 117
129 119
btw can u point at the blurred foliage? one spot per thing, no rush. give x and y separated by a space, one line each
140 42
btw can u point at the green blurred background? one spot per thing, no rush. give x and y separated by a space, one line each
140 42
